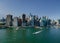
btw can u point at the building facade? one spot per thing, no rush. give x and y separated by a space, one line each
9 20
15 22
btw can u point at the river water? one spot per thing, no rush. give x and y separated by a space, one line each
30 35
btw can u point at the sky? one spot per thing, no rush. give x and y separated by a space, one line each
49 8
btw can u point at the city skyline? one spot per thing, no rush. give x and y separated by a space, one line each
48 8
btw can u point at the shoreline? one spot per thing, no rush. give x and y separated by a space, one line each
26 26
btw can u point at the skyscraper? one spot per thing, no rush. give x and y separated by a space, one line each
9 20
19 21
15 21
32 20
23 20
24 17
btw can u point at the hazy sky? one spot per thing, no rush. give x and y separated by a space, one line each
50 8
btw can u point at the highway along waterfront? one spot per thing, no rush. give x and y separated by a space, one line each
30 35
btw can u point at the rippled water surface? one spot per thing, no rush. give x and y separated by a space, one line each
30 35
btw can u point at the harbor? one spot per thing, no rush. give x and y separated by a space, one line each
30 35
29 21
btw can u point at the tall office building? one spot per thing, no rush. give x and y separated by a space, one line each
15 21
44 21
31 20
9 20
24 17
23 20
19 21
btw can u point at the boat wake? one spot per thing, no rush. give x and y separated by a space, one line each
37 32
17 28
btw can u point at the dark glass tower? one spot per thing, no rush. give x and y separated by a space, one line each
24 18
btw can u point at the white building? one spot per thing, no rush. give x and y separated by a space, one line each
9 20
41 23
15 21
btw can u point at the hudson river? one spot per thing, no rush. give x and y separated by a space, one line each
30 35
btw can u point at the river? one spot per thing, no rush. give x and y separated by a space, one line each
30 35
